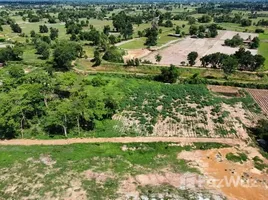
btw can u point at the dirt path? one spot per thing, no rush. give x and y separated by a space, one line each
28 142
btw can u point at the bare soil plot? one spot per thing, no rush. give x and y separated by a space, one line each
224 90
234 179
176 53
261 97
136 53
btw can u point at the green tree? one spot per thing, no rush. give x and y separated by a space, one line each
32 33
113 54
10 53
229 65
158 58
168 74
177 30
64 53
54 33
106 29
192 57
97 58
193 30
15 28
43 29
151 37
204 19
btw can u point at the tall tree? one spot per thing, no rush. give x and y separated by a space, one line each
192 57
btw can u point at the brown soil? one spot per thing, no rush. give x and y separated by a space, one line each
218 170
99 177
136 53
176 53
224 90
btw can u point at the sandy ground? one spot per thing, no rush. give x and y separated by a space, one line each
136 53
248 182
27 142
141 53
178 52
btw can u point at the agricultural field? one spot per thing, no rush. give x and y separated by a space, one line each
186 111
177 53
261 97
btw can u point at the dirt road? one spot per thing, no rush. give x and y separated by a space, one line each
28 142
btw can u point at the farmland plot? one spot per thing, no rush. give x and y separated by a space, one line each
177 53
261 97
186 111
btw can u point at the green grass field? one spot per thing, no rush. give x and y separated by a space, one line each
263 49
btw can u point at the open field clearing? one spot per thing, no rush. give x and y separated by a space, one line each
261 97
130 171
177 53
263 49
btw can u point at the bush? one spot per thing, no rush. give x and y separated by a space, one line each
113 54
259 30
241 157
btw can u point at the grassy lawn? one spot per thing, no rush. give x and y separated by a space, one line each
263 49
138 43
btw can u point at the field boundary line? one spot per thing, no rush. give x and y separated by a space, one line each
29 142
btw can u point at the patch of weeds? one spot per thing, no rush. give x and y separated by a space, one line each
106 190
200 131
240 157
210 145
169 192
258 163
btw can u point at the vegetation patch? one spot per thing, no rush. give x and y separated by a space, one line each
240 157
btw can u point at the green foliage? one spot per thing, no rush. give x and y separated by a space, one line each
10 53
123 24
133 62
97 58
54 33
168 75
53 106
151 35
43 29
261 130
240 157
158 58
204 19
234 42
15 28
64 53
191 57
255 43
246 61
42 48
229 65
113 54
